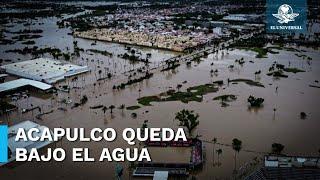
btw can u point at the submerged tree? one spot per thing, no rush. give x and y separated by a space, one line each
122 106
83 100
111 107
303 115
219 151
144 126
104 109
179 86
187 119
255 102
277 148
214 140
236 146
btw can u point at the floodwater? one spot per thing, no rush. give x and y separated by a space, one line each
165 154
256 128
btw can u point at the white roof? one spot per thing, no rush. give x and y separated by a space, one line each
44 69
11 85
12 144
160 175
3 75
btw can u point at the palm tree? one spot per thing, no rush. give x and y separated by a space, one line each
119 171
219 151
111 107
214 140
277 148
122 106
100 71
236 146
104 109
144 126
188 120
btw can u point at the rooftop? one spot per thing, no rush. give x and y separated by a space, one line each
160 175
44 69
15 84
12 144
287 167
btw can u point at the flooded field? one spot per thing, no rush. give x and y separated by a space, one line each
277 121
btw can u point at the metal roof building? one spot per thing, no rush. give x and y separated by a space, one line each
28 145
160 175
19 83
44 69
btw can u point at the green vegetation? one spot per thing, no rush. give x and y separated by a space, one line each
37 10
314 86
35 51
187 119
303 115
105 53
111 107
170 65
247 81
30 42
255 102
278 73
133 58
23 37
96 107
132 107
132 81
26 31
277 148
225 98
236 146
5 107
147 99
194 93
203 89
83 100
293 70
261 51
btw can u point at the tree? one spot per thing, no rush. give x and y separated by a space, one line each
83 100
303 115
119 171
255 102
100 71
104 109
111 107
219 151
187 119
214 140
277 148
236 146
122 106
144 126
179 86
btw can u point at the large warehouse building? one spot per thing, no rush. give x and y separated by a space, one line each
44 69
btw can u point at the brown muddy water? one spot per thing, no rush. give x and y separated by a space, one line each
256 128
